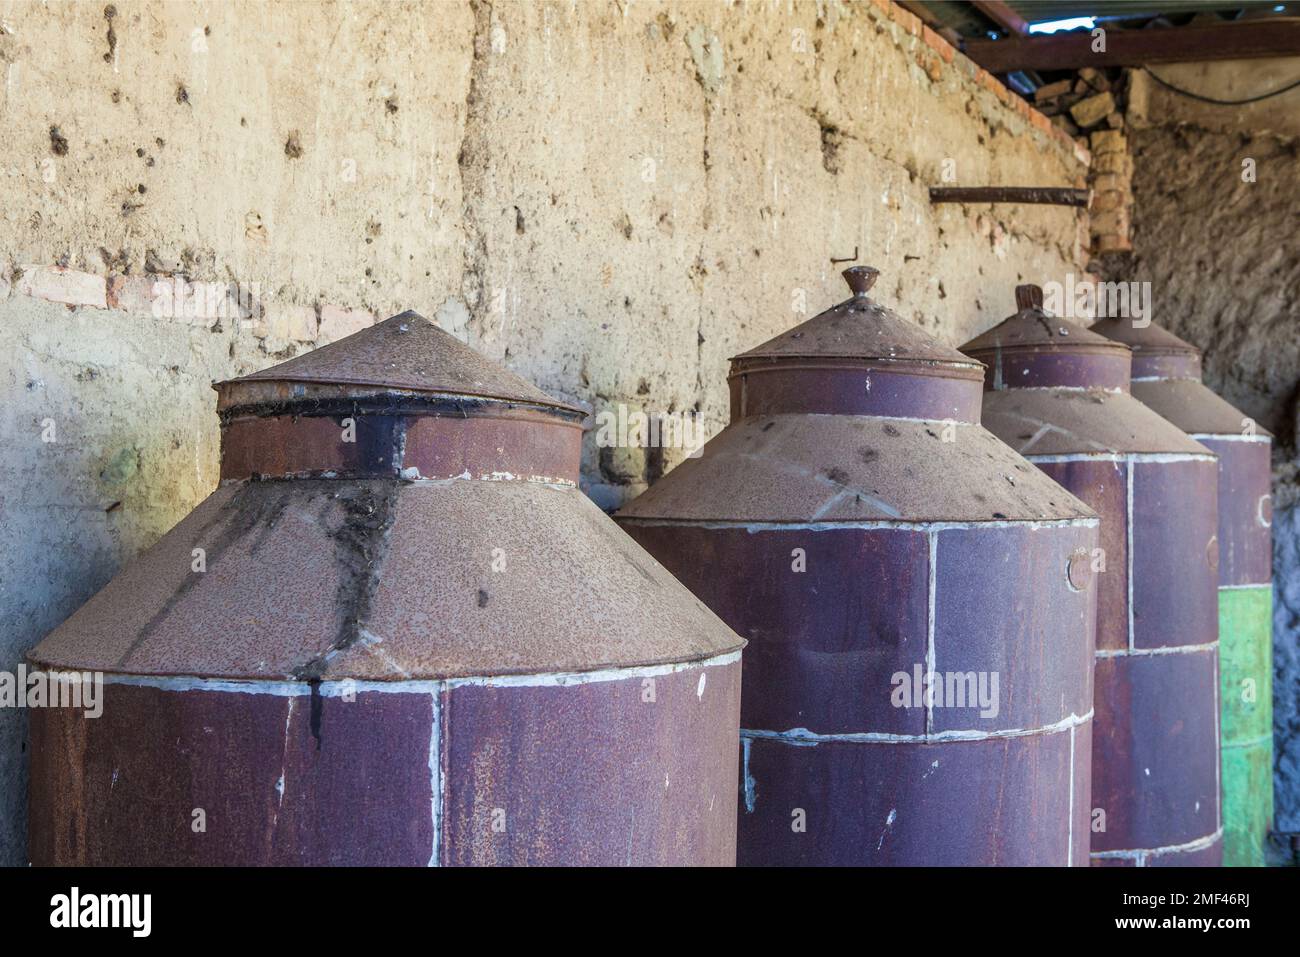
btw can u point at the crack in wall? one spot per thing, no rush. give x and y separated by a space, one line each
472 161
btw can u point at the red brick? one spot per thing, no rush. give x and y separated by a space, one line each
938 44
133 294
908 21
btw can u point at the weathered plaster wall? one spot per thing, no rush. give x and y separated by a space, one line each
612 198
1222 257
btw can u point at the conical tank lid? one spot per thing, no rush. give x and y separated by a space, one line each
1168 374
1032 349
406 353
1157 353
1032 329
859 328
1148 339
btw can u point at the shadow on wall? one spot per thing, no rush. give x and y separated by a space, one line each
103 453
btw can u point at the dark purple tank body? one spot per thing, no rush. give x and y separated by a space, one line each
1167 379
917 599
1059 394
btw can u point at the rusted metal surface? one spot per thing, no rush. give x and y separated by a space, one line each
861 329
1174 521
1049 421
406 352
799 468
557 775
655 778
1245 510
366 670
1103 485
1188 404
281 780
416 559
1036 195
1155 744
478 440
802 387
1155 772
856 358
932 804
1033 350
1157 352
854 545
1171 386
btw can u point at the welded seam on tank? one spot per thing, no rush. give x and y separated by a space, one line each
1128 550
884 418
327 475
1064 388
1161 650
1069 853
867 524
1227 437
1218 752
931 663
1166 378
435 777
802 737
1141 853
1247 587
1139 457
547 480
339 687
388 400
1034 439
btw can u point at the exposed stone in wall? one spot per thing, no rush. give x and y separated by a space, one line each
1216 207
1090 105
610 198
1286 655
1222 258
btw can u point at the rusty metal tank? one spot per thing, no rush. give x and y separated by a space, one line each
1167 379
1059 394
918 681
397 633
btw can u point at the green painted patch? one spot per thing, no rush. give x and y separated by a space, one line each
1246 714
1246 663
1247 803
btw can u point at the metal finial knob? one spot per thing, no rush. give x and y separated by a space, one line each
860 278
1029 296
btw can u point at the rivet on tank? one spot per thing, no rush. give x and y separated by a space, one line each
397 633
1167 379
1059 394
917 598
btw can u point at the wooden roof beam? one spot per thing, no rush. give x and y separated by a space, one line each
1243 40
1002 14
